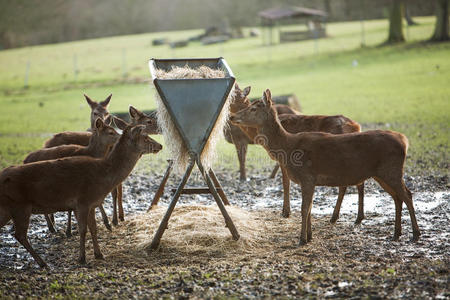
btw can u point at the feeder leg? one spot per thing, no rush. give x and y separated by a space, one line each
220 190
216 196
163 226
160 190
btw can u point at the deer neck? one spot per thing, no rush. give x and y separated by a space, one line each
95 147
120 161
273 135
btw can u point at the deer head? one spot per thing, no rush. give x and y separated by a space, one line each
257 113
140 118
140 141
240 100
98 109
105 134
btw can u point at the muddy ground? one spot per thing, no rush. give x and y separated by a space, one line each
198 259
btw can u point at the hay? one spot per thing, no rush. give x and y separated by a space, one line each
197 230
177 148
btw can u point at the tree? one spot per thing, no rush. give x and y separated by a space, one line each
441 27
395 22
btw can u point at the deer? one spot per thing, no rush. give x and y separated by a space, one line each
73 183
82 138
234 135
295 123
98 110
101 141
323 159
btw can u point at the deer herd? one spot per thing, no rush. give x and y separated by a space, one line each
75 171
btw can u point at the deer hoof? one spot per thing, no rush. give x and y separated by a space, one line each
115 222
82 260
286 214
415 237
358 221
333 220
99 256
69 234
302 242
121 218
108 226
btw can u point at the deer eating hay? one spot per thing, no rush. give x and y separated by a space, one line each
177 148
315 158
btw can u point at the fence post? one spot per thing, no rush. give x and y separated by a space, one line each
27 73
75 67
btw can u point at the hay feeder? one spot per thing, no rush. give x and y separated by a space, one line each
193 106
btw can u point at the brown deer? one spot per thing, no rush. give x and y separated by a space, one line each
324 159
82 138
98 110
295 123
102 139
73 183
234 135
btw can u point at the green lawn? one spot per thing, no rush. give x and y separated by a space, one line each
404 87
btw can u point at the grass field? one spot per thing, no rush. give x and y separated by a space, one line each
404 88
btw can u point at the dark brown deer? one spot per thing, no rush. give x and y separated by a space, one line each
73 183
315 158
234 135
102 139
295 123
98 110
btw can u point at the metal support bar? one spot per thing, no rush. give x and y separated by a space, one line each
219 187
218 200
160 190
162 227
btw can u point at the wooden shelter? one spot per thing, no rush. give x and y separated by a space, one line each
314 19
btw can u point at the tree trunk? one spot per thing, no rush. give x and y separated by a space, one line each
408 17
441 27
395 22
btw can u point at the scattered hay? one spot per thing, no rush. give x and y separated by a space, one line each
177 148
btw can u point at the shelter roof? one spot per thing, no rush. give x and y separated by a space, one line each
278 13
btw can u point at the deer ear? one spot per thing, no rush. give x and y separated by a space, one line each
105 102
108 120
267 98
135 113
236 87
121 124
246 91
99 123
91 102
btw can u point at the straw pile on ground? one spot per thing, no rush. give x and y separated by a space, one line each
177 148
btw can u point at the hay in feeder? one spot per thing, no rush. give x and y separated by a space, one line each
174 142
198 230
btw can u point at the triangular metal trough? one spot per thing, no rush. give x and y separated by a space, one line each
194 106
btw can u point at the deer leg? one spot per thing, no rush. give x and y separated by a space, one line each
398 218
309 225
104 217
82 219
360 204
242 154
5 216
307 197
286 193
274 171
119 200
114 197
405 196
50 224
21 222
337 208
93 229
69 224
